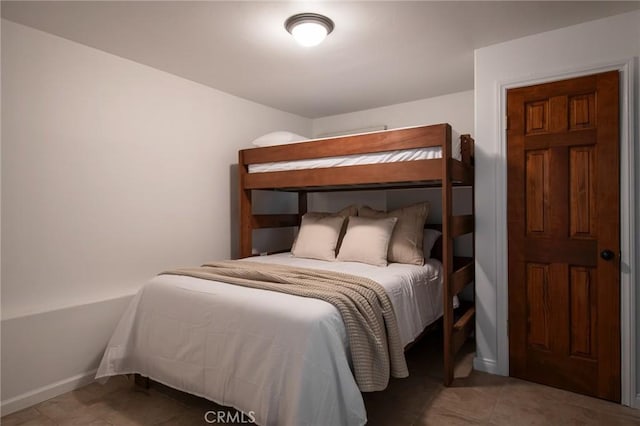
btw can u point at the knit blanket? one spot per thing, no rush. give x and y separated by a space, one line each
367 313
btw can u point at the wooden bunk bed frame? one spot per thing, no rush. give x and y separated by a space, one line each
445 172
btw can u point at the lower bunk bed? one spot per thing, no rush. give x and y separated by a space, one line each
279 358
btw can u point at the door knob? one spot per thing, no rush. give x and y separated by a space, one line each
607 254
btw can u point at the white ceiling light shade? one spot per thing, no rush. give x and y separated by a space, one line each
309 29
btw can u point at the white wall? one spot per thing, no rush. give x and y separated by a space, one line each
455 109
111 172
586 47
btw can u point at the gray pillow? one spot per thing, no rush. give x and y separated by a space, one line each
430 238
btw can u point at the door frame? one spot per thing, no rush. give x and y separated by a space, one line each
628 227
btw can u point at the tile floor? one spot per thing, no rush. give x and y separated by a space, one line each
474 399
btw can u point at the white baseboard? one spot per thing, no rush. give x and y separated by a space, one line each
636 402
486 365
46 392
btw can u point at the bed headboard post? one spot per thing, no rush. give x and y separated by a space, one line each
466 149
246 229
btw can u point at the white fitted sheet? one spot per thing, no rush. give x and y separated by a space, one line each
283 358
359 159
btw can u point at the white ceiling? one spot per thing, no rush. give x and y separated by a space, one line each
380 53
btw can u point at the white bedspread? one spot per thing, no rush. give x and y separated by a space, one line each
284 358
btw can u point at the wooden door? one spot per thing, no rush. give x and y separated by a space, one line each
564 234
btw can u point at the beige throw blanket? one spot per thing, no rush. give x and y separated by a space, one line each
374 339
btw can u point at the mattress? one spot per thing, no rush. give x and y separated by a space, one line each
283 359
360 159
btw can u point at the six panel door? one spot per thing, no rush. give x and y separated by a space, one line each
564 234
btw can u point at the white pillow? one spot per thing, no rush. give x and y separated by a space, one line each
318 237
367 240
278 138
430 238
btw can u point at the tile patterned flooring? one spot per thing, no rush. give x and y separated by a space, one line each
474 399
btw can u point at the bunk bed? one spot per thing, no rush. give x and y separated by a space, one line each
307 167
284 359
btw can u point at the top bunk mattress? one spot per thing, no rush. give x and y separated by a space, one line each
360 159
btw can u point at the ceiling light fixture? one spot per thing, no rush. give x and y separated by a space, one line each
309 29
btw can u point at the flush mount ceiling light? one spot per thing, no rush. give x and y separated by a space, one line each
309 29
